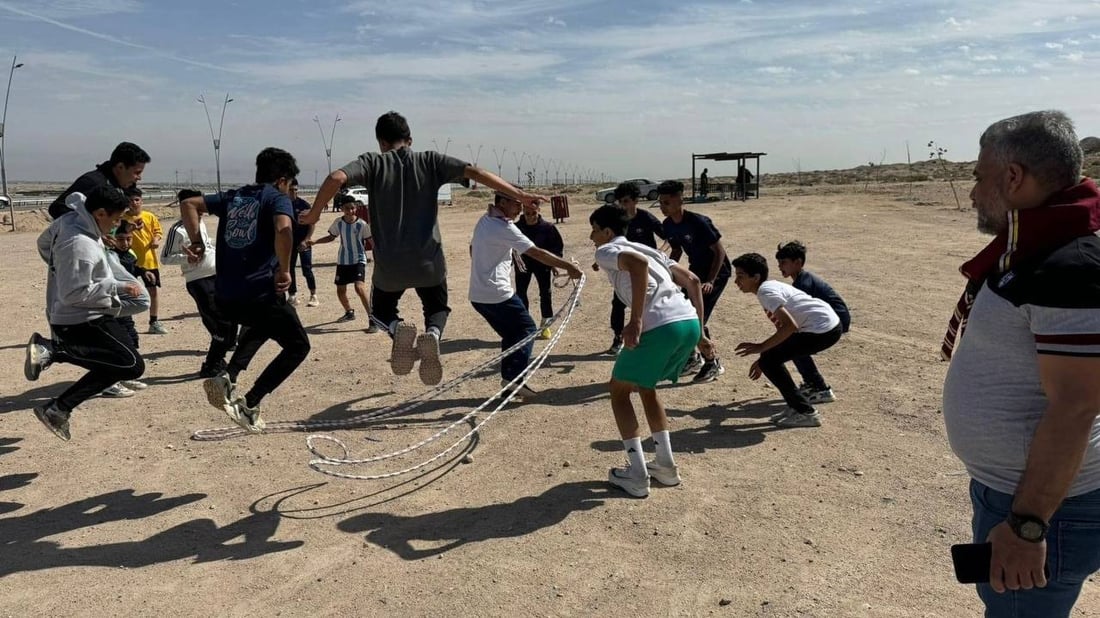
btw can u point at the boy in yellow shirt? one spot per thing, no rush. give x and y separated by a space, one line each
147 235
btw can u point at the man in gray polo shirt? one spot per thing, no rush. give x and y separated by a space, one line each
1022 393
403 186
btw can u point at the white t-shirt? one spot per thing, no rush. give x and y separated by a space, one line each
810 314
665 303
491 249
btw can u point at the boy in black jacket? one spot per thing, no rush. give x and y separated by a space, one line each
123 239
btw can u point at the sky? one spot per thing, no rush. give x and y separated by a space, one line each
623 89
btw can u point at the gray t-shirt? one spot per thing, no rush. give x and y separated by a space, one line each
403 186
992 397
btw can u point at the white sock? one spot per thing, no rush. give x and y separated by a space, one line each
664 448
635 455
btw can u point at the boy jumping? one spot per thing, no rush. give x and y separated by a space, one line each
792 262
351 261
663 331
254 242
804 326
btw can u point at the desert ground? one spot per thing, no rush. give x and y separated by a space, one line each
133 518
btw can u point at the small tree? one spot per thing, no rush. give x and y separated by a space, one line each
937 152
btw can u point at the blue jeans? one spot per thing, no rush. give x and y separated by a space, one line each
1073 554
511 320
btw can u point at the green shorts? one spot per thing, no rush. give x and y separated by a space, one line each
661 354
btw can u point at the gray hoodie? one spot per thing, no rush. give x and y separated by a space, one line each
85 280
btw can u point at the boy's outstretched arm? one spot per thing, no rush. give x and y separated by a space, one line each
497 183
553 261
328 190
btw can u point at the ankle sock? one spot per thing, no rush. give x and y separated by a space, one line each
635 456
664 448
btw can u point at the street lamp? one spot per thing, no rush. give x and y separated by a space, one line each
331 139
500 161
3 123
217 140
472 155
519 164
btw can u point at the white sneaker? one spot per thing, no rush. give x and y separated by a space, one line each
248 418
135 385
822 396
156 328
431 367
117 390
669 476
219 390
313 302
797 419
623 479
292 299
403 351
782 414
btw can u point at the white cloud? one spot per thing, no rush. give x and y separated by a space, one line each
773 70
1073 57
912 71
1054 45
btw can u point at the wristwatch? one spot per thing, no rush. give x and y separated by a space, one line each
1027 527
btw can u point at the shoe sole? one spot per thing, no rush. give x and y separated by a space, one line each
117 395
216 392
809 424
431 367
136 387
630 492
710 377
402 353
32 366
40 414
821 400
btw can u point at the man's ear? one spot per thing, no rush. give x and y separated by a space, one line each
1015 178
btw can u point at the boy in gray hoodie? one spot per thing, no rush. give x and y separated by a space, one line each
87 290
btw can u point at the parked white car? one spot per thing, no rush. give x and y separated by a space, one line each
360 195
646 188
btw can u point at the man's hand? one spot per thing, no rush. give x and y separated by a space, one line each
195 251
305 245
754 370
531 198
109 241
595 267
573 272
150 278
156 243
706 347
748 349
309 218
132 289
708 287
139 224
282 281
1016 564
632 333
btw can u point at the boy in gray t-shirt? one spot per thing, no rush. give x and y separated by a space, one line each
403 186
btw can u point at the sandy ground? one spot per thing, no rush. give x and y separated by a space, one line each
132 518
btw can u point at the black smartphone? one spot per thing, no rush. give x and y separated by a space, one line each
972 562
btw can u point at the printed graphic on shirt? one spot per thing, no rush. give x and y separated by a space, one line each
242 218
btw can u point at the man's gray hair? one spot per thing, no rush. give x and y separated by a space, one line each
1044 143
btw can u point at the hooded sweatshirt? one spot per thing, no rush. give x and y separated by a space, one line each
85 281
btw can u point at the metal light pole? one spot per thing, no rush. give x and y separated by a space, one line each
519 164
535 169
3 123
472 155
218 139
500 161
331 139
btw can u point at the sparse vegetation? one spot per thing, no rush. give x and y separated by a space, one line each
937 153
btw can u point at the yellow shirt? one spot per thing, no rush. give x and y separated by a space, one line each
147 257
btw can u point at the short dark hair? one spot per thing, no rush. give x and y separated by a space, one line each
132 191
611 217
184 194
392 128
294 182
753 264
275 163
627 189
124 227
128 154
344 198
670 187
793 250
108 198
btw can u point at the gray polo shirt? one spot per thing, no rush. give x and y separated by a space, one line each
992 398
403 186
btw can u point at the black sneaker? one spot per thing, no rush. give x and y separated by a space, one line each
54 419
348 316
39 356
694 364
709 372
616 347
209 371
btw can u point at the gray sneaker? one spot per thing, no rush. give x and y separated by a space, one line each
623 478
797 419
782 414
248 418
39 356
403 353
219 390
709 372
694 364
117 390
824 395
156 328
54 419
135 385
431 367
669 476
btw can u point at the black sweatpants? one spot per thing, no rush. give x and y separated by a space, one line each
268 319
223 331
546 300
383 305
795 346
103 347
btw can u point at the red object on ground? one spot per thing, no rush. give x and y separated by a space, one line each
559 207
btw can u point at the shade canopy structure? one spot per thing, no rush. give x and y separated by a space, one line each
738 189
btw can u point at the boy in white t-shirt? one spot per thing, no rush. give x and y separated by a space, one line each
351 260
494 240
804 326
660 337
